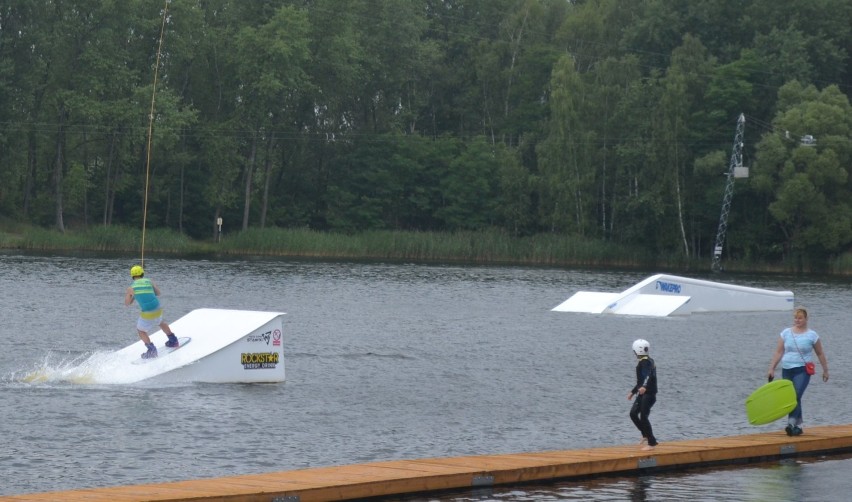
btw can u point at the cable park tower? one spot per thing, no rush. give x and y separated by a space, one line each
735 170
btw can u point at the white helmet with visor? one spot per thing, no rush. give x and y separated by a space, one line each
641 347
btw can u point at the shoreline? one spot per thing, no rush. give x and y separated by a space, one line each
460 248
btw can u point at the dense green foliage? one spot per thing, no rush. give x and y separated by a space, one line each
600 121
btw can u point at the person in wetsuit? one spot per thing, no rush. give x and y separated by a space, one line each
645 391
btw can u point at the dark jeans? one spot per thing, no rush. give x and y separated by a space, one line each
800 379
639 414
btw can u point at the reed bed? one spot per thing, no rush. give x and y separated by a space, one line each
841 265
489 246
474 247
103 239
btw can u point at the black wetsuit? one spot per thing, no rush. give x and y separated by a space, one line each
646 376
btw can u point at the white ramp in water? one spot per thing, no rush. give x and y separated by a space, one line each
227 346
663 295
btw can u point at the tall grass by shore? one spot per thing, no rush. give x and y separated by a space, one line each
468 247
429 247
99 239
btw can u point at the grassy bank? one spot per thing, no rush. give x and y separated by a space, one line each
473 247
427 247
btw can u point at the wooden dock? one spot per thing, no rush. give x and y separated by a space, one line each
399 477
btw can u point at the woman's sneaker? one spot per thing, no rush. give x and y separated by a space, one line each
789 430
797 431
173 341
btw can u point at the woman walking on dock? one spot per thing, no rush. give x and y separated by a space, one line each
795 350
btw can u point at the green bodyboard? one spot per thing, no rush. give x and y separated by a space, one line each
771 402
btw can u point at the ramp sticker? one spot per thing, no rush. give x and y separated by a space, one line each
259 360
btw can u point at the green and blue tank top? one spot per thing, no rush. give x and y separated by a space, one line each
143 292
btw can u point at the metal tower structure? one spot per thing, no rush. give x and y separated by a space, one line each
735 168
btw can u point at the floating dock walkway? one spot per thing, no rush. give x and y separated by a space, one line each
401 477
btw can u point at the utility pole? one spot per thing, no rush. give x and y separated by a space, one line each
735 170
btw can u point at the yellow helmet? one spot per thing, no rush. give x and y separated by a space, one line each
136 271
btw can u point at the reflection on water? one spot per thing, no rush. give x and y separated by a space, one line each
793 480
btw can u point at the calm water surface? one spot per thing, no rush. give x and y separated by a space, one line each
396 361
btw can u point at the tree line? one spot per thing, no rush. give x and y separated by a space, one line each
606 119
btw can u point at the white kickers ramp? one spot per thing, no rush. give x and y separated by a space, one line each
663 295
227 346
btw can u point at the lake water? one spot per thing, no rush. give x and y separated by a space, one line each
398 361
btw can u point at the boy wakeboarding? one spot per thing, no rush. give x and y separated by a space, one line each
146 294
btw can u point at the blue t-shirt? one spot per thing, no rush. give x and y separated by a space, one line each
793 356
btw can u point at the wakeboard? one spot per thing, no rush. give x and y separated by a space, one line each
770 402
163 351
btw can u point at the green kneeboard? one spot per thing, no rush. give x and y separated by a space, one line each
770 402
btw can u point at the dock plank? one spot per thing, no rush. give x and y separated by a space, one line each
398 477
